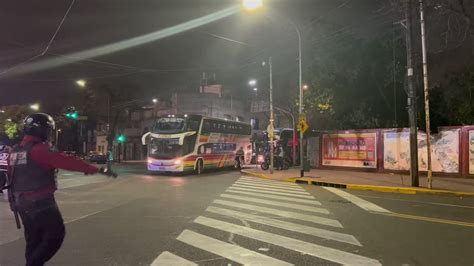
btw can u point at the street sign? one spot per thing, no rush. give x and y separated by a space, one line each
303 125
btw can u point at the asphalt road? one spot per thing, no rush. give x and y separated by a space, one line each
222 218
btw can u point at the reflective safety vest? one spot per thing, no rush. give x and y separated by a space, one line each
4 155
28 176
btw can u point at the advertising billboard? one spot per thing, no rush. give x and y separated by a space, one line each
350 150
444 151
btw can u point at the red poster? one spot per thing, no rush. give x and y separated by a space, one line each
350 150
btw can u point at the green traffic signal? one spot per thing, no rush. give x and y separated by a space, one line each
121 138
72 115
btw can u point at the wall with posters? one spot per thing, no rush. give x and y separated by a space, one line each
350 150
444 152
471 152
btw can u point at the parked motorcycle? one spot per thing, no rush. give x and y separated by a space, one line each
266 163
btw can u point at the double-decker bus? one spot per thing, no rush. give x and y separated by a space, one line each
193 143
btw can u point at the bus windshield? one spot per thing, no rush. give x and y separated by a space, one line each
170 124
165 148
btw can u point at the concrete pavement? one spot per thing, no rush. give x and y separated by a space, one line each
382 182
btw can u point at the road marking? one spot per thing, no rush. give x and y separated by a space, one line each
226 250
418 201
429 219
271 189
303 229
271 192
287 214
168 258
277 183
278 203
269 186
315 250
366 205
312 202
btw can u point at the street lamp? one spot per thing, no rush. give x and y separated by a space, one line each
255 4
252 5
155 100
81 83
35 107
305 87
252 82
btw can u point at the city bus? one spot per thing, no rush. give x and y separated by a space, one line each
193 143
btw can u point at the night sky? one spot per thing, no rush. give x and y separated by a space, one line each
169 64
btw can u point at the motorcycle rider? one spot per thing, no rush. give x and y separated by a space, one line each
32 168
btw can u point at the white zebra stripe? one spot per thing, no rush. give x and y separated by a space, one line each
278 203
226 250
271 189
303 229
303 247
271 192
167 258
311 202
270 182
270 185
287 214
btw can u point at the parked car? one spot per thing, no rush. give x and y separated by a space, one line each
98 158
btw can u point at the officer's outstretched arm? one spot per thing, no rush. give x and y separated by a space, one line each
43 155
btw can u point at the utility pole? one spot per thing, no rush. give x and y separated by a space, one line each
411 98
271 126
427 97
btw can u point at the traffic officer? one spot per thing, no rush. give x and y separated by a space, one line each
4 155
33 167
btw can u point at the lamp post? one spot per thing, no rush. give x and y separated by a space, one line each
252 5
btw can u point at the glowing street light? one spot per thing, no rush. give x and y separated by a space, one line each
252 82
155 100
305 87
35 107
252 5
81 83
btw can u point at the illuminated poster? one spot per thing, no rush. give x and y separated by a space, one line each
444 151
471 152
350 150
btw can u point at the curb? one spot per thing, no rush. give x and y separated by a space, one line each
389 189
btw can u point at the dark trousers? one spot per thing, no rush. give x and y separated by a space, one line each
44 230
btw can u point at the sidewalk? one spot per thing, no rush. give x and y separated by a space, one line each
385 182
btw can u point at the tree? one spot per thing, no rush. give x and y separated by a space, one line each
11 120
453 101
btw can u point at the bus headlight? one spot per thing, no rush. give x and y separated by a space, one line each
150 161
177 162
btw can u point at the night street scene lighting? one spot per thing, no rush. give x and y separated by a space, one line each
241 132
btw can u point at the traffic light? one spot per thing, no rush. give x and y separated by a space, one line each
121 138
72 115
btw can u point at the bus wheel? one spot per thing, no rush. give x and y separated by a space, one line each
199 167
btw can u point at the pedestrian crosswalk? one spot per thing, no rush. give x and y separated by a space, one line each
282 215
